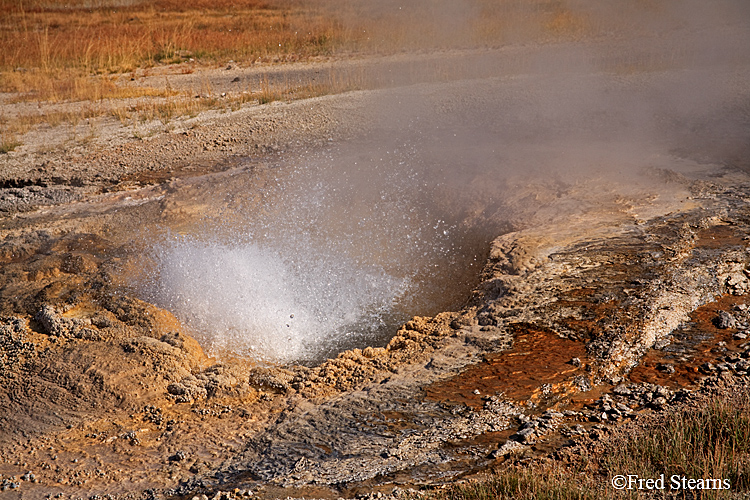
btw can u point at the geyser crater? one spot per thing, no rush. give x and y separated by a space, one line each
324 254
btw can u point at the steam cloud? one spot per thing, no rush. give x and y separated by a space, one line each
354 239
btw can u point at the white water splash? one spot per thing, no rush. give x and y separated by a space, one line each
254 301
323 257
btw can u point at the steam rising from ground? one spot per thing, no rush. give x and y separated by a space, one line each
339 246
330 253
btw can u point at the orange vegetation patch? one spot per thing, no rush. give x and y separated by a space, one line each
51 45
52 49
701 342
537 367
122 38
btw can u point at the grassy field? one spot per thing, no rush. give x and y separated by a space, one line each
52 50
63 51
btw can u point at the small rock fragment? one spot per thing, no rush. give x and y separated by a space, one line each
665 368
658 403
724 320
508 448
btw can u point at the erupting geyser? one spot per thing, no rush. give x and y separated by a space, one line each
272 303
331 253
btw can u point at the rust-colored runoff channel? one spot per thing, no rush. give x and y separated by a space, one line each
538 367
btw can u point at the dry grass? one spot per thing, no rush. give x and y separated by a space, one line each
709 441
168 105
520 484
75 50
70 85
164 110
51 49
19 125
167 109
336 82
8 142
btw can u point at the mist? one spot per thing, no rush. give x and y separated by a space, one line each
496 133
